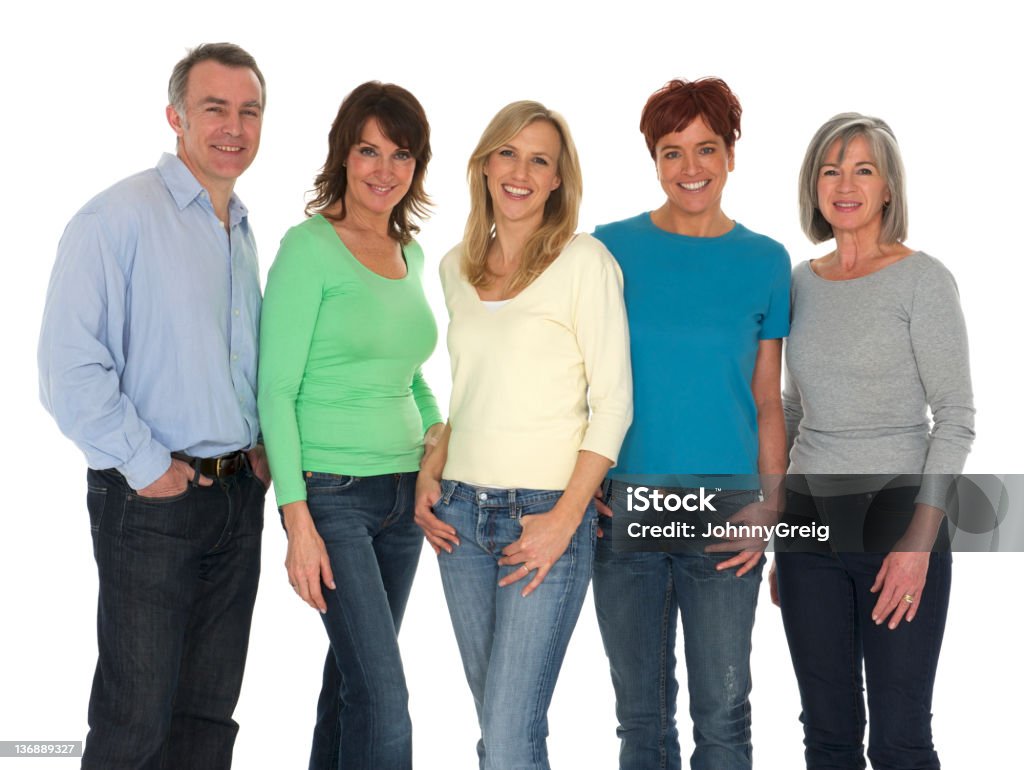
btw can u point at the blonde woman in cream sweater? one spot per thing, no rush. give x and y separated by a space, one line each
541 400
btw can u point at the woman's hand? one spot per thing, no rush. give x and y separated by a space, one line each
902 576
543 541
759 515
773 585
440 535
307 562
603 509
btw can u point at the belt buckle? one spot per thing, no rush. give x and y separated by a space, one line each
217 465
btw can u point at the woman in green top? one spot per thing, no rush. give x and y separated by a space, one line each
344 410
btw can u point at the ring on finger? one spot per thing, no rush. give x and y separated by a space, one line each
908 598
525 567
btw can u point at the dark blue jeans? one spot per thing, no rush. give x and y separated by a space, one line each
639 597
835 646
374 546
177 583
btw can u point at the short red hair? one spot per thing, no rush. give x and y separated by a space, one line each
678 103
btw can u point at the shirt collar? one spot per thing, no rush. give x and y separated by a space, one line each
185 188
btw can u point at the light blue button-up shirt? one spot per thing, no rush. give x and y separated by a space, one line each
149 337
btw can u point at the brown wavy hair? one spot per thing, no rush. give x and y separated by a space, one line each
402 120
678 103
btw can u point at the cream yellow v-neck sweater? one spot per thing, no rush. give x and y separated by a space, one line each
542 377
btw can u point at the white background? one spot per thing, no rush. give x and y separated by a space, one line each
83 98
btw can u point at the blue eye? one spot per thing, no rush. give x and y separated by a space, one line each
506 153
707 150
829 172
367 152
540 161
403 155
671 155
865 171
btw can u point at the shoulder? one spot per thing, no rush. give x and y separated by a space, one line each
126 199
451 265
624 229
930 275
586 252
303 245
760 245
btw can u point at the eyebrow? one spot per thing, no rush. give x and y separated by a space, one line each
699 144
224 102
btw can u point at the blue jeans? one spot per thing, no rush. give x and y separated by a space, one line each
826 610
177 583
638 597
374 546
512 647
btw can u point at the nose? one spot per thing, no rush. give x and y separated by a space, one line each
690 164
232 124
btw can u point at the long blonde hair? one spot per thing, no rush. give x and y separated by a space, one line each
561 210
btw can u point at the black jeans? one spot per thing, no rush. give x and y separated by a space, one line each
836 648
177 583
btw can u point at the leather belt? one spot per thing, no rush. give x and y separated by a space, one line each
215 467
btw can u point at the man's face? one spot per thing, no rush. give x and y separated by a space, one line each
220 131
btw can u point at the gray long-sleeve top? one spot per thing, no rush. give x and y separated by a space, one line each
865 361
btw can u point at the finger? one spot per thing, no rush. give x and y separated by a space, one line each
736 561
898 613
316 597
542 572
886 603
753 559
514 576
880 577
326 574
912 610
511 550
205 481
438 543
773 586
600 532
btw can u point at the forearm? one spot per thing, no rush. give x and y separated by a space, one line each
587 475
771 457
434 460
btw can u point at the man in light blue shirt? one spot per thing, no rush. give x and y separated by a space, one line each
147 361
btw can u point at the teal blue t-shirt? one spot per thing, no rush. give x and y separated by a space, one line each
698 307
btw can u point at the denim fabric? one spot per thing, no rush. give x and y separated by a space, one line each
177 583
374 546
835 646
638 597
512 647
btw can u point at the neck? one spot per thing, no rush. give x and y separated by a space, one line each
707 224
509 240
858 246
360 219
218 190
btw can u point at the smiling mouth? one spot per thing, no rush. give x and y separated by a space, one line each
516 192
227 148
846 205
381 189
695 186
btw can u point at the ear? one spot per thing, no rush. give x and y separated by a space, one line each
732 159
556 183
174 119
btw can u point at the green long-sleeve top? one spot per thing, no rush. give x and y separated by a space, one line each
340 388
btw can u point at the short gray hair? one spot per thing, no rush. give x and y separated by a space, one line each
228 54
844 128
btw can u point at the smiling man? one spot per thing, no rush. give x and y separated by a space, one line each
147 361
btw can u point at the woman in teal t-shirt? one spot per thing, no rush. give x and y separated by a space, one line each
708 304
344 409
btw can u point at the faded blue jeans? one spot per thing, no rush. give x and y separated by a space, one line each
639 597
374 546
512 647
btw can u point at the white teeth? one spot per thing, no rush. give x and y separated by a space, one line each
693 186
380 189
515 190
227 148
846 205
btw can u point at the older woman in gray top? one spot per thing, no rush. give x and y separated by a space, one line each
877 340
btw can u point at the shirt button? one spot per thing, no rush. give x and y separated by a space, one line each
237 311
234 356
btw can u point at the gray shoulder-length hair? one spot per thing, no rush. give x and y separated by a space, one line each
844 128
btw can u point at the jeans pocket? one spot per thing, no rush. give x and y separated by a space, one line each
96 502
318 482
168 516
